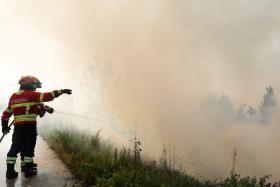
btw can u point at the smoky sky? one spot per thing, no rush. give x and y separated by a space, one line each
160 67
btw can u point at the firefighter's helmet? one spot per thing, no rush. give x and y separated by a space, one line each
30 80
38 82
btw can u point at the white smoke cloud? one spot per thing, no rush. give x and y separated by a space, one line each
150 65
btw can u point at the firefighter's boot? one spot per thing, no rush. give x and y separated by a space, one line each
11 173
23 166
30 170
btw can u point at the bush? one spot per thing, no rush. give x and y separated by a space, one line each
97 163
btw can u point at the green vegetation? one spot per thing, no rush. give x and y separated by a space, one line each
98 163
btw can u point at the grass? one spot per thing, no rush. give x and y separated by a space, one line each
98 163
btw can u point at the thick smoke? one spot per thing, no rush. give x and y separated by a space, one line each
190 73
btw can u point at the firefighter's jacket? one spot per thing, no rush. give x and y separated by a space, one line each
24 106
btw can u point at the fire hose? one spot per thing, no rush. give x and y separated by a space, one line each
42 111
45 108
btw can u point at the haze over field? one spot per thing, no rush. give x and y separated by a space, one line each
173 71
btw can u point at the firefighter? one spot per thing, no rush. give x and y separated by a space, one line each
41 112
24 106
42 109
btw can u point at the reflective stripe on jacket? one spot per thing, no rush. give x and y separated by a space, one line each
24 106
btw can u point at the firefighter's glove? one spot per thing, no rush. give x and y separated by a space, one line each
41 112
66 91
50 110
5 128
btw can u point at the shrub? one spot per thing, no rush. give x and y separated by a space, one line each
97 163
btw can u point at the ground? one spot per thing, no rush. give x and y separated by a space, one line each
51 171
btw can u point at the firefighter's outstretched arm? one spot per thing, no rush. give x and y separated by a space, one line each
49 96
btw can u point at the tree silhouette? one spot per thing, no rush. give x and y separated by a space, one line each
268 105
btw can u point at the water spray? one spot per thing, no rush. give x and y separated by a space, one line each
51 110
80 116
111 123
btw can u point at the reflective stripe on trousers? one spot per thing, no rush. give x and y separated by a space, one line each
11 160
